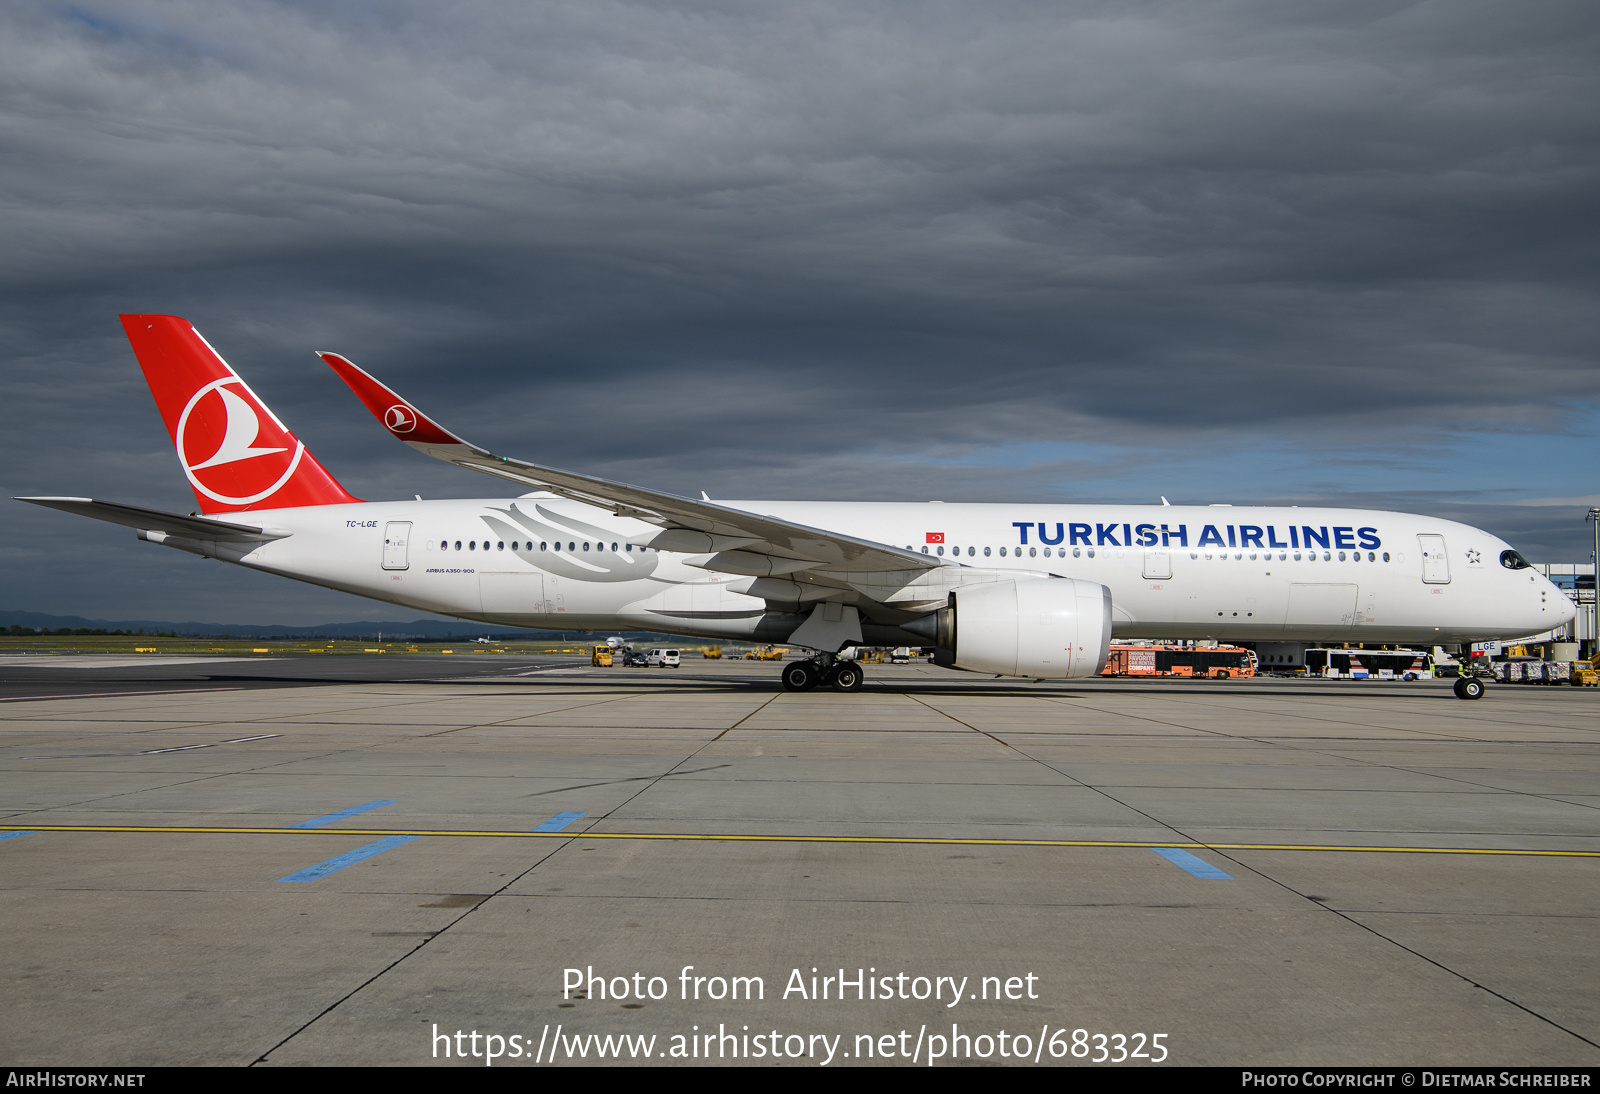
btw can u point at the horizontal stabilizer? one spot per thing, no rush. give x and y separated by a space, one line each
154 520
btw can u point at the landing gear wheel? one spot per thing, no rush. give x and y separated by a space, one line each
847 677
801 676
1469 687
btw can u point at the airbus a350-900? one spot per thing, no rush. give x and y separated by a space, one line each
1011 589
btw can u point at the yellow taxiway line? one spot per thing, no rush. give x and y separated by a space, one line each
732 838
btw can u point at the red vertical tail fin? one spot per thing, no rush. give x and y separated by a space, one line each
235 452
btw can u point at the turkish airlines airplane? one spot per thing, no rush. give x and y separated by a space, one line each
1019 589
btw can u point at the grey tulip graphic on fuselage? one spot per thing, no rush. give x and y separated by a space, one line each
621 564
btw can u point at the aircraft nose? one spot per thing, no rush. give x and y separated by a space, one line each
1555 609
1566 610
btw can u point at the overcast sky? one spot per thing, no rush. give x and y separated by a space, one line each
1238 252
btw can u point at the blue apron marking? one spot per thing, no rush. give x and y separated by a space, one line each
349 858
1199 867
14 835
558 822
318 822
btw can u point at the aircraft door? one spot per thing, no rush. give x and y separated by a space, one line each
396 534
1158 563
1435 562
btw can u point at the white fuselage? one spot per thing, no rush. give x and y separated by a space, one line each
1214 572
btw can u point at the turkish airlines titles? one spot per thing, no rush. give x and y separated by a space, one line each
1256 536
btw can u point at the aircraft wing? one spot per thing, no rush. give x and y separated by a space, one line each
738 542
154 520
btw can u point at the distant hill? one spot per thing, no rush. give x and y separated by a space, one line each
395 629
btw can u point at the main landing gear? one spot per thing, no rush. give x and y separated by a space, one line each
825 672
1469 687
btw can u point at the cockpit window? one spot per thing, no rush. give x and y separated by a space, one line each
1513 561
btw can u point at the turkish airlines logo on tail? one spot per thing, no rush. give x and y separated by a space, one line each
400 418
243 467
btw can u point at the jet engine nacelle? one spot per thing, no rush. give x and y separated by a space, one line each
1049 628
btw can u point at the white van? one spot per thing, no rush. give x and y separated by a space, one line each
664 659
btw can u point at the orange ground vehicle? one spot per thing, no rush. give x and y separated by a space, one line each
1218 662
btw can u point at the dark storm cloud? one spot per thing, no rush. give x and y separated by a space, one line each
810 250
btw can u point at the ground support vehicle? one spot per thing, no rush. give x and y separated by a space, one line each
1351 664
1218 662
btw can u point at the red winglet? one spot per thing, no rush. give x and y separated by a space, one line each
399 417
235 451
